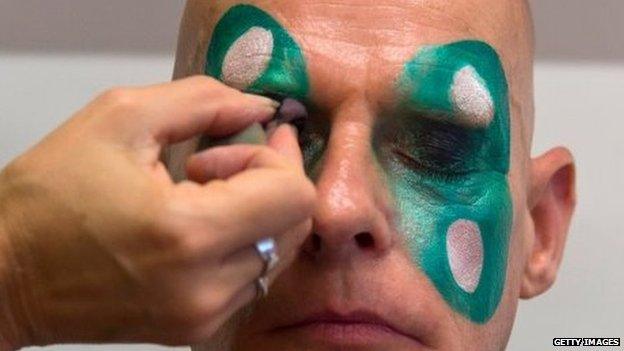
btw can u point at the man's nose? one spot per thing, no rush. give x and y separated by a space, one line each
353 212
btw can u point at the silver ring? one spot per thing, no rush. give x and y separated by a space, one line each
262 287
267 249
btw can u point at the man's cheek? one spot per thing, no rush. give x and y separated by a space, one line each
458 235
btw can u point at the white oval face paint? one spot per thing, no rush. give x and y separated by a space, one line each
471 99
464 247
247 58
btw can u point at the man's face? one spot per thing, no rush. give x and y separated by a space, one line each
418 143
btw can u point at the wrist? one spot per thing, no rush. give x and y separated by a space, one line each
8 334
11 335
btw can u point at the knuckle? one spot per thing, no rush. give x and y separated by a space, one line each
212 89
172 231
183 246
204 80
186 231
207 85
175 245
120 99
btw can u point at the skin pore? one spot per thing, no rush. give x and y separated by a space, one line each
418 138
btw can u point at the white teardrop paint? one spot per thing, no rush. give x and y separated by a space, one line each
464 247
471 99
247 58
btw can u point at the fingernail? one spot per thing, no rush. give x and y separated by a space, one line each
263 100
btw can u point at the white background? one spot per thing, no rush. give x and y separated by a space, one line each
56 55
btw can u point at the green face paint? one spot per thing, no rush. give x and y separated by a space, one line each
447 160
253 52
446 157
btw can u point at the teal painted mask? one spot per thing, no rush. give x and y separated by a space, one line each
444 149
251 51
446 158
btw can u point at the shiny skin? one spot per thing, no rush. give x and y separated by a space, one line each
357 260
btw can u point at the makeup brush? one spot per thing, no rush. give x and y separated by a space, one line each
290 111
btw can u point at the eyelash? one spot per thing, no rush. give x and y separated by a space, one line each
431 172
435 173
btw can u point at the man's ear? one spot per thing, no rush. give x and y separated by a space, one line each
551 201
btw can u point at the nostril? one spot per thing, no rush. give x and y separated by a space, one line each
365 240
312 246
316 242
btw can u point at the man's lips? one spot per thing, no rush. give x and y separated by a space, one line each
355 327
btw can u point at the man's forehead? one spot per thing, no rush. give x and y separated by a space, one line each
391 23
366 34
381 34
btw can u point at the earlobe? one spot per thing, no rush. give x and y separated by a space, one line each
551 201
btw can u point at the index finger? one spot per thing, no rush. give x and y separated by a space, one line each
200 105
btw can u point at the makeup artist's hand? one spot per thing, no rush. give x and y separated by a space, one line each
97 244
